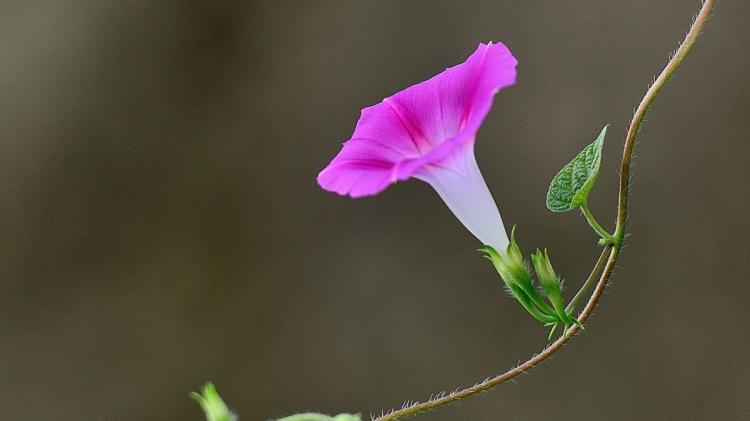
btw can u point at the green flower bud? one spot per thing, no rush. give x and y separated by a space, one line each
550 282
544 271
552 286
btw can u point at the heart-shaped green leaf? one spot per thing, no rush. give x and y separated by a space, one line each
571 186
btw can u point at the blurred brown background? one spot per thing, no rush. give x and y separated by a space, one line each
160 224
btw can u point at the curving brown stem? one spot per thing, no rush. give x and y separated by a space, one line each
612 249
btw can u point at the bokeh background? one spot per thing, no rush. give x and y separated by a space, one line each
160 224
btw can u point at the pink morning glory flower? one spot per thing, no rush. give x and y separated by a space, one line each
427 131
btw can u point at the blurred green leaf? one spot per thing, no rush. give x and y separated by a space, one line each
212 404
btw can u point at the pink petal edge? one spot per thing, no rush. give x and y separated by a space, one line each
421 125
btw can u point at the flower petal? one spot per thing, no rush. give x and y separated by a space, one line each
419 125
453 104
364 167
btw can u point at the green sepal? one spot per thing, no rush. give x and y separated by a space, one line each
528 304
571 186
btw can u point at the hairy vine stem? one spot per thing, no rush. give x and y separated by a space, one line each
612 250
